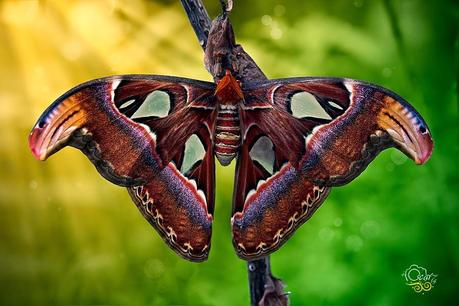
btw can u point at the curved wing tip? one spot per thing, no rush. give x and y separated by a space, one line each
35 144
425 153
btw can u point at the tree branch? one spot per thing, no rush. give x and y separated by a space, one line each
265 289
258 271
199 19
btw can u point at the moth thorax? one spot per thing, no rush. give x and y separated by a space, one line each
227 133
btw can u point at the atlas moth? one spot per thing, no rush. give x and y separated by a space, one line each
293 139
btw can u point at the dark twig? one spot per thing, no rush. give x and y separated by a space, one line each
258 271
265 289
199 19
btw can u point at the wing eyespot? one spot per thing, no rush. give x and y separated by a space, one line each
157 104
335 105
262 152
126 104
193 153
304 104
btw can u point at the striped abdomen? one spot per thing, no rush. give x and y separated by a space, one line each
227 133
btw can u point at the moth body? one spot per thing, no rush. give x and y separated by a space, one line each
228 125
227 134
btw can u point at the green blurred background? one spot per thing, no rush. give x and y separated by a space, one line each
68 237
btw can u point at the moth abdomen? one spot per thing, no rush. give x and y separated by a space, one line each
227 133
